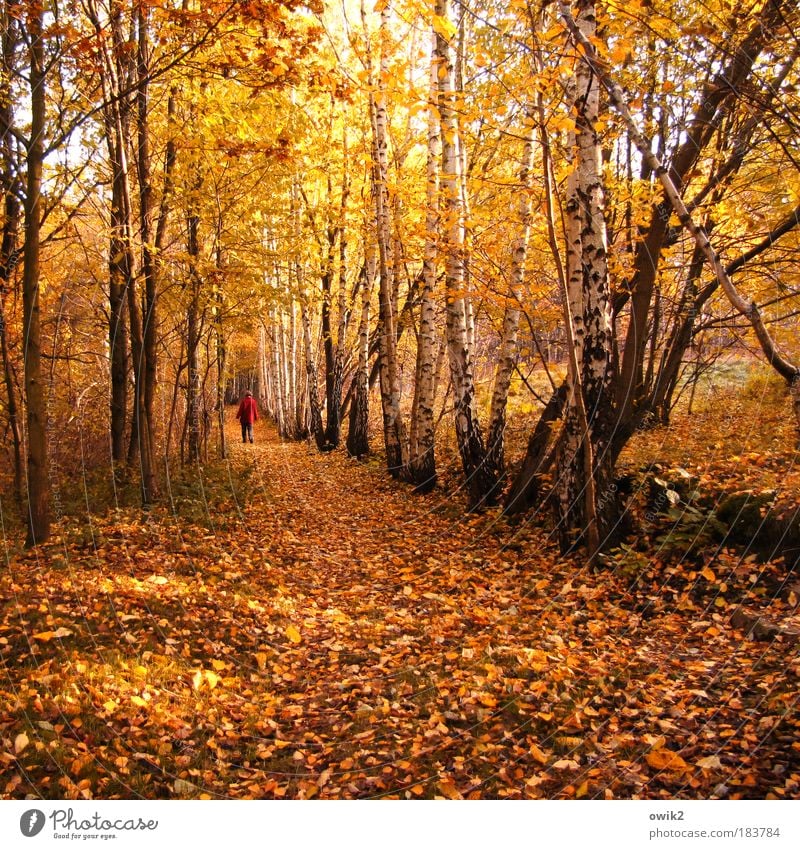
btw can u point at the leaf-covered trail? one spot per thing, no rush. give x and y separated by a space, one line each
329 634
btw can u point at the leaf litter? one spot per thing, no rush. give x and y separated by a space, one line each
345 639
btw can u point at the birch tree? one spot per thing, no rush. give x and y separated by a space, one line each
481 477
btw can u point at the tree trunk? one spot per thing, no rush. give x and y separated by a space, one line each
219 334
393 429
311 371
193 326
115 76
145 369
358 432
422 461
38 483
334 428
11 395
9 254
584 473
507 355
481 477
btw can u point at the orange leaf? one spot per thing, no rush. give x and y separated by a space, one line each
449 789
665 759
44 636
538 755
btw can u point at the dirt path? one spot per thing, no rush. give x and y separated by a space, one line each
330 634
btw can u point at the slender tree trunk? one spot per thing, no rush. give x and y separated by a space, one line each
507 355
422 462
37 461
146 368
9 184
481 477
193 325
296 397
11 395
264 391
585 509
278 386
115 76
219 334
287 403
334 428
311 372
463 172
393 429
358 433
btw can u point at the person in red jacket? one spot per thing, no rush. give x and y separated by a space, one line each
247 414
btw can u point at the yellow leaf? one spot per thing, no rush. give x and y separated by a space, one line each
110 705
197 679
261 660
293 634
708 574
538 755
138 701
212 678
665 759
44 636
20 742
443 27
582 790
219 665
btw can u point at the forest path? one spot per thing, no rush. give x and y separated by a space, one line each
328 633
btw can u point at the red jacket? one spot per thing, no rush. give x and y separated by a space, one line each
248 411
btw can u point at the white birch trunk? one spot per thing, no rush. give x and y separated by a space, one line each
583 462
277 374
394 435
423 461
358 431
480 476
507 355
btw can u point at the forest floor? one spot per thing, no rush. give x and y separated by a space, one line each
315 630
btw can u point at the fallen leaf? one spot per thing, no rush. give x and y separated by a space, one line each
664 759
